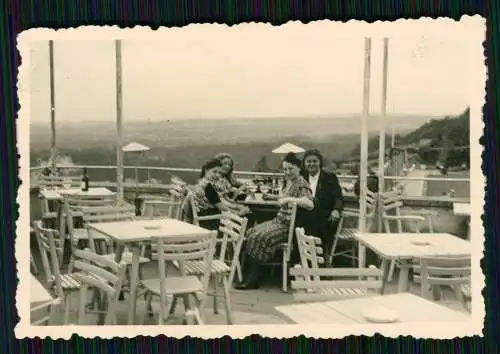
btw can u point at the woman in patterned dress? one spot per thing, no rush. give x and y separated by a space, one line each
263 240
227 185
206 198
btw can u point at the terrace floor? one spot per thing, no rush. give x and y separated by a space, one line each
249 307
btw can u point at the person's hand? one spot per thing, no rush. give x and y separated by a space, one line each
335 215
244 210
285 200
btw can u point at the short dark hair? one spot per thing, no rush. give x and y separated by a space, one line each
292 159
209 165
314 152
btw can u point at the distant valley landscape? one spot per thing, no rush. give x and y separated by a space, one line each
189 142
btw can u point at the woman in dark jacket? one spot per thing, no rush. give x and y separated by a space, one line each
328 199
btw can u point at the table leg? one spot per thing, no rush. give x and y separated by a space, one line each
385 269
134 277
404 272
118 258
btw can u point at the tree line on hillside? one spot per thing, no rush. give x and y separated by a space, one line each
443 141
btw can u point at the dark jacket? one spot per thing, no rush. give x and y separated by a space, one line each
328 197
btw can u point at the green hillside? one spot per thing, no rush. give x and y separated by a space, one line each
443 140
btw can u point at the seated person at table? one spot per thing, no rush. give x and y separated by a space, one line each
264 239
328 199
206 198
227 185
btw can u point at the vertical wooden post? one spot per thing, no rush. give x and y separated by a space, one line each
53 149
381 150
363 168
119 131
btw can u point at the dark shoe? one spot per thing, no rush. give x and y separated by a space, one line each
252 285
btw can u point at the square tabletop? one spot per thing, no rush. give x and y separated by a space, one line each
57 194
409 308
145 230
409 245
462 209
38 294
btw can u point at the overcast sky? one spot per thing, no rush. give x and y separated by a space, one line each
250 71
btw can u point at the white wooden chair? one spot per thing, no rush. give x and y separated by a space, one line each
286 248
392 214
33 265
62 285
189 206
182 249
436 273
169 208
105 279
78 236
231 235
308 282
344 234
50 317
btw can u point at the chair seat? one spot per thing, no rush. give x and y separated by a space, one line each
82 234
342 291
198 267
127 258
174 285
68 282
347 234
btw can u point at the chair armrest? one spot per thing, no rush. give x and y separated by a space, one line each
210 217
426 213
404 217
350 213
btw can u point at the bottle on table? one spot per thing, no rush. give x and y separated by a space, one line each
85 180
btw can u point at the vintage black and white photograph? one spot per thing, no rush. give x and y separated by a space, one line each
273 179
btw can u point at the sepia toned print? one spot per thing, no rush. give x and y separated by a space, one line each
215 180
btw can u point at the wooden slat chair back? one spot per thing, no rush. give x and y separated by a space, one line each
50 245
182 249
73 212
105 214
435 273
310 251
347 234
319 284
189 211
392 203
287 248
232 232
50 181
99 274
50 317
45 238
169 208
226 260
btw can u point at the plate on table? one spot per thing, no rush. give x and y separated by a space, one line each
380 314
420 242
152 227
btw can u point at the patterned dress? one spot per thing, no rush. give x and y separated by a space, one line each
263 240
225 186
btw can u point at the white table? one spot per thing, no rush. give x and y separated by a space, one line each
409 307
57 194
38 294
132 233
397 246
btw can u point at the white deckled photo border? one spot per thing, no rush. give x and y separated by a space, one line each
469 28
